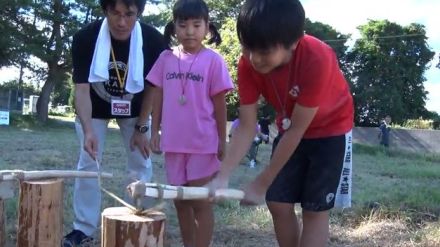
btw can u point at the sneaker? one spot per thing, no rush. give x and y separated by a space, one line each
77 238
252 164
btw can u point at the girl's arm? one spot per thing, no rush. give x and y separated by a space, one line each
219 102
156 118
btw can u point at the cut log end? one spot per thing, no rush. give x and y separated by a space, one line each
121 227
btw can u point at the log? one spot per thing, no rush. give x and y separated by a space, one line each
122 228
138 189
40 215
2 224
32 175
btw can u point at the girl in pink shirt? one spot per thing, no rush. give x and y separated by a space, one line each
190 111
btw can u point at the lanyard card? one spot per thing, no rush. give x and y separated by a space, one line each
121 107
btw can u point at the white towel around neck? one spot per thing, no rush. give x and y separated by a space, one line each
101 57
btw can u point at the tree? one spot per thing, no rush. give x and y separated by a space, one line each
231 51
386 66
46 28
332 37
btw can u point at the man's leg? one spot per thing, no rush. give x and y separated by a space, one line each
138 168
86 195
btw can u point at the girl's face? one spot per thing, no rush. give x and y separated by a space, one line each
190 33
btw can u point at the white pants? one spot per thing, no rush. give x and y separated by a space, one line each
87 195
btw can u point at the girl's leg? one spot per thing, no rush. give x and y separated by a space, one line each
285 223
187 225
203 216
315 229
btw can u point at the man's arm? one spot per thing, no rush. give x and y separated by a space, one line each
83 107
139 139
220 118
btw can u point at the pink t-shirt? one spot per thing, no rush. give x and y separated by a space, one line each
190 127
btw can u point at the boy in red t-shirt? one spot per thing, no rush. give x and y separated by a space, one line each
300 77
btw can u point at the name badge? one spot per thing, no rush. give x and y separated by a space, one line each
121 107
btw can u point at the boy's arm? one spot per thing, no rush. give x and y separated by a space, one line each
301 119
83 109
220 118
244 134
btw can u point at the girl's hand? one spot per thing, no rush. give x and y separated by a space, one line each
221 150
155 143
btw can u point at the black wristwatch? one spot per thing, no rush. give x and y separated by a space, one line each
142 128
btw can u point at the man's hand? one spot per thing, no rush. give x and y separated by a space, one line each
140 141
91 145
218 182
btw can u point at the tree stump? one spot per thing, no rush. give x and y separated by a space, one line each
40 215
122 228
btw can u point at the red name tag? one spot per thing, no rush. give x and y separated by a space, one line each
121 107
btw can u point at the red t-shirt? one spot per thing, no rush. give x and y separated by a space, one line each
315 81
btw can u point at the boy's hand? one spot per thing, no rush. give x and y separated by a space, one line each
255 193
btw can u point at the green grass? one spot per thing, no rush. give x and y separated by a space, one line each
388 186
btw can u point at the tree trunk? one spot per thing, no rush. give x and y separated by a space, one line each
44 99
122 228
40 215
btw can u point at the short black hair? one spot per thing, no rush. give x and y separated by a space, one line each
140 4
262 24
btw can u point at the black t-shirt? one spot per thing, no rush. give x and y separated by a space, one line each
101 93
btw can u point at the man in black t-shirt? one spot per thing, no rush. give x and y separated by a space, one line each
118 95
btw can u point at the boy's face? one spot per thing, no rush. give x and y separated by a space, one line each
121 20
264 61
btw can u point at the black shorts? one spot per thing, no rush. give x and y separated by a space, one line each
311 176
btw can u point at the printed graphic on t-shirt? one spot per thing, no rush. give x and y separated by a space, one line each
190 76
111 89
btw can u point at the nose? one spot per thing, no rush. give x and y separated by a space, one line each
122 22
189 30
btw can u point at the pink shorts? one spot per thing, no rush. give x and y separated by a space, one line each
182 168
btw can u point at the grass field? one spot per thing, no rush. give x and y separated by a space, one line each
396 195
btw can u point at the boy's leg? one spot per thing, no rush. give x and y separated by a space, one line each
315 231
285 223
86 195
326 157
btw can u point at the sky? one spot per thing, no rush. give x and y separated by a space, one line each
346 15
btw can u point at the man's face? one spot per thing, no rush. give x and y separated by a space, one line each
264 61
121 20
